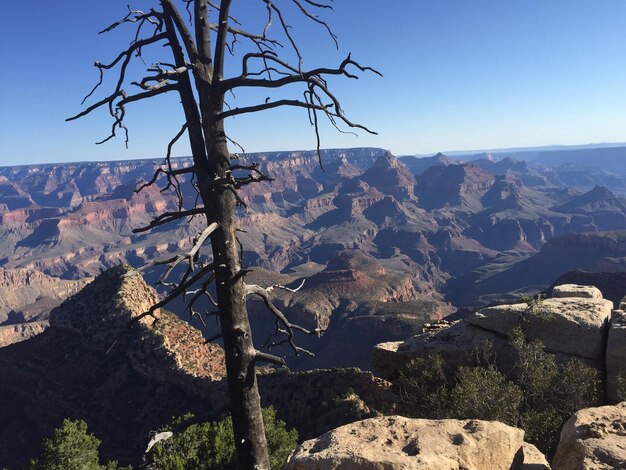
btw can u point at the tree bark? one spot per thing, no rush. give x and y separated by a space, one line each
245 402
212 160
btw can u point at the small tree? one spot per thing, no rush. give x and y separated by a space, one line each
71 448
198 49
211 445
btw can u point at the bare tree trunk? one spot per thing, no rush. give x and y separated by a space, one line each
245 402
197 74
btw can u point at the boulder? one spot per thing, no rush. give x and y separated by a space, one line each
575 290
395 442
455 344
533 458
573 325
616 357
593 438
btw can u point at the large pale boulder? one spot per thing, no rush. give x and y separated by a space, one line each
576 290
454 343
567 326
593 438
395 442
574 326
616 357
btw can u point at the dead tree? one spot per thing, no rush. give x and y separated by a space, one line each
198 42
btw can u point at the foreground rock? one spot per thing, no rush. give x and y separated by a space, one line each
533 458
594 438
395 442
455 344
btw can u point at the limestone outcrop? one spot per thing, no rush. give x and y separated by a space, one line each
575 290
593 438
567 325
453 343
575 326
395 442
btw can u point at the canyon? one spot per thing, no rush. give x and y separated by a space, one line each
381 248
436 217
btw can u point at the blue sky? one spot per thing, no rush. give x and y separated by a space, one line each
458 75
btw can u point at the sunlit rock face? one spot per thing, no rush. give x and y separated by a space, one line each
395 442
593 438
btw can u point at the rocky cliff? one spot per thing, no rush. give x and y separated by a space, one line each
28 294
126 378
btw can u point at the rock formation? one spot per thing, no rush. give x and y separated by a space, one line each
572 326
395 442
123 379
567 326
28 294
126 379
612 285
594 438
15 333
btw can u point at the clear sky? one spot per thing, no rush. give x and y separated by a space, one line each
459 74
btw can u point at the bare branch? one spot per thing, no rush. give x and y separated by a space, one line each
251 289
213 338
295 77
289 289
179 290
167 217
316 19
134 16
285 28
190 256
265 357
220 42
169 173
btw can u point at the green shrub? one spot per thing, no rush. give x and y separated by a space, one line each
535 370
424 388
211 445
542 428
538 396
71 448
280 442
550 394
578 386
484 393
